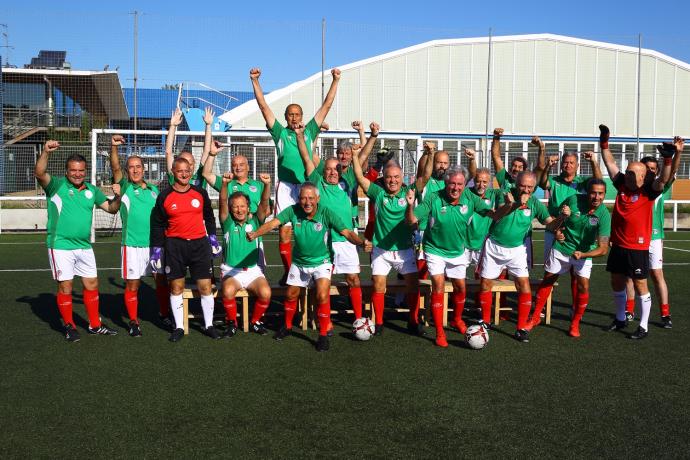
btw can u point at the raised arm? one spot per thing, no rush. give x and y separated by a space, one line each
359 127
264 208
214 148
472 166
115 167
367 146
266 111
41 168
544 174
320 114
357 169
303 152
223 207
594 161
496 149
426 166
606 154
209 116
669 152
175 121
541 157
410 218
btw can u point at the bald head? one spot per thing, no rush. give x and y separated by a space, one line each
636 174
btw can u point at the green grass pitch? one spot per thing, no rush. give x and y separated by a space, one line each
394 396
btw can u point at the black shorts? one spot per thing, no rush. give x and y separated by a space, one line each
633 263
195 254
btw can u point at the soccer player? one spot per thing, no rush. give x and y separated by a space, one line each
506 179
584 235
184 228
392 240
138 199
197 177
70 203
336 193
240 269
448 213
290 167
631 228
311 262
505 248
656 248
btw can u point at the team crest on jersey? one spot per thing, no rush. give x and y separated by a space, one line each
487 201
195 203
248 228
385 201
234 188
318 226
593 221
88 194
527 212
71 192
463 209
153 195
136 192
252 188
443 209
173 206
634 198
401 201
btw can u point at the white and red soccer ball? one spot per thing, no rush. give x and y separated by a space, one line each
363 328
476 337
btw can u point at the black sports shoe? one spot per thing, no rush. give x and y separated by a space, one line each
667 322
71 333
282 333
259 328
101 330
323 344
640 333
176 335
616 326
230 330
416 329
629 316
134 329
166 321
378 330
521 335
487 326
212 332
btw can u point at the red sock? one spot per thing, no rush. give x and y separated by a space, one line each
323 311
163 296
665 309
290 309
582 301
91 304
630 305
459 302
64 304
377 299
543 294
437 311
524 306
131 304
260 307
573 289
422 269
485 305
230 306
356 300
286 254
413 301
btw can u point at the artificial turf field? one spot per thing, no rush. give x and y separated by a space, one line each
395 396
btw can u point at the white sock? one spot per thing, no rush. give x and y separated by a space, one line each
619 298
207 305
176 308
645 306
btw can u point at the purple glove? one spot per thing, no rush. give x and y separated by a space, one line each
216 250
156 260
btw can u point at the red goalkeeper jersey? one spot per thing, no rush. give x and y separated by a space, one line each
631 223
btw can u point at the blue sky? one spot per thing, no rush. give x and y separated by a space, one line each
217 42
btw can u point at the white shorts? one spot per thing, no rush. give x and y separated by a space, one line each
135 262
549 239
455 268
244 276
345 258
65 263
287 194
473 256
558 263
496 258
418 238
656 254
303 276
262 256
403 261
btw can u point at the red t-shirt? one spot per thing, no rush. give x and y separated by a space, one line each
187 215
631 223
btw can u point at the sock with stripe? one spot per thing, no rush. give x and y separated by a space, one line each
260 307
64 304
285 254
230 306
524 306
356 300
323 312
377 300
131 304
290 307
91 304
485 305
459 299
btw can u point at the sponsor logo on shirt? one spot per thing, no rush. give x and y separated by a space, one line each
195 203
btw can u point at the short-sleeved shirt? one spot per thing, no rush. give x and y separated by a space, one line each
584 226
252 188
311 235
70 213
478 229
240 253
560 190
447 222
196 179
511 230
290 166
658 213
349 184
631 220
505 180
391 232
433 185
135 212
334 197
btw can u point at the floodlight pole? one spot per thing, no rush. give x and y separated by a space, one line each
136 38
488 94
639 73
323 55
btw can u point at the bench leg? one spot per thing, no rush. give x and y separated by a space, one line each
497 311
245 314
548 309
445 309
185 315
304 300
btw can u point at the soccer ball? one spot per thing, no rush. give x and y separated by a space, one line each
476 337
363 328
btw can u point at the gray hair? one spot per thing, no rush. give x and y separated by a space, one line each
483 171
310 185
525 173
454 171
344 145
